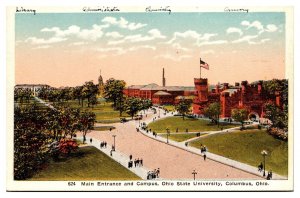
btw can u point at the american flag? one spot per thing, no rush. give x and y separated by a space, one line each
204 64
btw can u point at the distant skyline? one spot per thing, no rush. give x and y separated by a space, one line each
71 48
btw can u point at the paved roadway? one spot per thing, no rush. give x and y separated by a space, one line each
174 163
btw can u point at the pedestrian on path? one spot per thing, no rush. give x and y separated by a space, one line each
111 153
204 156
130 157
157 173
91 140
141 161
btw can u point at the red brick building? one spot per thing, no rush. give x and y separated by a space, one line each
248 96
159 94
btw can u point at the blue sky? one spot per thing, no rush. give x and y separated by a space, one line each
227 41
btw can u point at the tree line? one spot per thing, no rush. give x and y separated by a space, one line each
42 133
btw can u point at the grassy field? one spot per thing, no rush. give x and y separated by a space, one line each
179 137
193 125
169 107
246 147
103 128
87 164
104 111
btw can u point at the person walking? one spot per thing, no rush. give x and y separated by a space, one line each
91 140
157 173
130 157
204 156
141 161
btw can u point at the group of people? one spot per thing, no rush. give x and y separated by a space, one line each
103 144
137 162
261 168
203 149
269 176
153 174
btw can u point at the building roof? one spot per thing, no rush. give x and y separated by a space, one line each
184 97
230 91
153 86
162 93
32 85
135 86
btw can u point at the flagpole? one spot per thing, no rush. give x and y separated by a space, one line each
200 68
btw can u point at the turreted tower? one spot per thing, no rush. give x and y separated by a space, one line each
100 85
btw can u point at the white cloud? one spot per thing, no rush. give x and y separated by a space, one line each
216 42
79 43
42 47
152 35
118 50
142 47
174 58
247 38
183 35
254 24
123 23
259 26
271 28
234 30
196 38
114 35
39 41
177 46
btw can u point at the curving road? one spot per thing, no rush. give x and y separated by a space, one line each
174 163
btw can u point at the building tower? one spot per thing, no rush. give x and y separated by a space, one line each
163 78
201 95
101 86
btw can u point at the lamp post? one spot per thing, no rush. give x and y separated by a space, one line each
194 173
139 119
264 153
168 134
114 136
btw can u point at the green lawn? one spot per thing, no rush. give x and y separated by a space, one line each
104 111
179 137
193 125
169 107
246 147
103 128
87 164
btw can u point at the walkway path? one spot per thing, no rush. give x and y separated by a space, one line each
174 162
217 158
118 156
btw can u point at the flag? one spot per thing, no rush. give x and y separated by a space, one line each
204 64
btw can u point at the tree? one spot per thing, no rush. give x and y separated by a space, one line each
30 141
76 93
89 92
183 107
213 112
277 116
133 105
113 91
146 104
240 115
86 122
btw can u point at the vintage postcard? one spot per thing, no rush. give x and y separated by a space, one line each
153 98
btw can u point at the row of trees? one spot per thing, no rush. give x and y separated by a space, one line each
114 92
277 114
88 91
40 133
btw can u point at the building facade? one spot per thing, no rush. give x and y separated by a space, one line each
244 95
